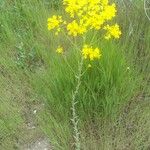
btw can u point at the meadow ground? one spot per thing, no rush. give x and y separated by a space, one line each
36 84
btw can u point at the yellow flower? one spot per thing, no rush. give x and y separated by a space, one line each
74 28
85 16
112 31
90 53
109 12
54 22
104 2
60 50
88 14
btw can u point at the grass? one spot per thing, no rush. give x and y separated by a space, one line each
113 100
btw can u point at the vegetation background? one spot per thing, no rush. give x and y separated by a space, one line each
36 83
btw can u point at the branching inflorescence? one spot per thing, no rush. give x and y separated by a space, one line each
86 15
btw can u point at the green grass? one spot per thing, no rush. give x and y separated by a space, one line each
113 100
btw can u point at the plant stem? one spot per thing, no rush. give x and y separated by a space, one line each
74 102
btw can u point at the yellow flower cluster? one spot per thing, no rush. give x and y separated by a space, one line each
74 28
88 14
112 31
59 50
90 53
83 16
54 22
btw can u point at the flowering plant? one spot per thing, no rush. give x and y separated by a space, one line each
84 16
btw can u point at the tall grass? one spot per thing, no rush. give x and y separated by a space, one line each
113 96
